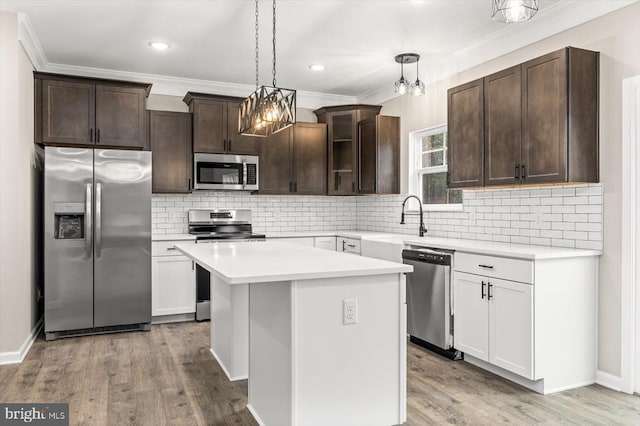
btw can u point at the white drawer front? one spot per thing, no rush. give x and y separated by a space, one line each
498 267
328 243
166 248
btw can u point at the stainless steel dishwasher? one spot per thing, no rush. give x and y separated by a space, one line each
429 300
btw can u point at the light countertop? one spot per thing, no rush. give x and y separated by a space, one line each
172 237
268 261
515 251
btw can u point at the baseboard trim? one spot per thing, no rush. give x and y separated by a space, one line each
609 380
18 356
226 373
255 415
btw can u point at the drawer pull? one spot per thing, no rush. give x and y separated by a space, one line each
486 266
170 248
351 245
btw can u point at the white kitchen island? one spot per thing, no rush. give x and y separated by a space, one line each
278 316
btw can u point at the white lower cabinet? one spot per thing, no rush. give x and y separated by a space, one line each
173 285
493 321
327 243
530 321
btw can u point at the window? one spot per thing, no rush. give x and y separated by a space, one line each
428 159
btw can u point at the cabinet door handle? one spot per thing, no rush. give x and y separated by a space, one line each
353 187
343 243
290 186
229 145
193 265
482 293
97 135
517 172
489 295
91 135
524 175
295 186
486 266
189 184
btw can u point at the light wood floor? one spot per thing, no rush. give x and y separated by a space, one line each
167 376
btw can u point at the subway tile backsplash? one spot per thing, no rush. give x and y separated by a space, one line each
563 216
270 214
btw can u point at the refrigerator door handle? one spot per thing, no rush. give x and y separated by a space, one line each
98 233
88 231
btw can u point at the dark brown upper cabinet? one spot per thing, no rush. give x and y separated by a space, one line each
560 117
89 112
465 151
170 140
342 130
294 161
540 123
502 127
215 125
379 155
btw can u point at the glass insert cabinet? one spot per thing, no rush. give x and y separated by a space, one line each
342 133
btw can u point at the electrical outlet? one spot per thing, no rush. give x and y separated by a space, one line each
349 311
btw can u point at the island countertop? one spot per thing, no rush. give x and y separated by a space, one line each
267 261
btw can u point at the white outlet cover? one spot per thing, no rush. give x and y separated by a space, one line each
349 311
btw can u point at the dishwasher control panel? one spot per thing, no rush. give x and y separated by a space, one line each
427 255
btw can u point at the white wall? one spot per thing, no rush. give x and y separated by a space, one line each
616 37
18 216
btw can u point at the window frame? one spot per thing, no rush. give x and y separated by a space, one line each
416 172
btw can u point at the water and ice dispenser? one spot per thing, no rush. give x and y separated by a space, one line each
68 221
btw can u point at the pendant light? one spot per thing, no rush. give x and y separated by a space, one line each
510 11
269 109
402 85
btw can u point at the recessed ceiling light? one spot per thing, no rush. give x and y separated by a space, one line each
316 67
159 45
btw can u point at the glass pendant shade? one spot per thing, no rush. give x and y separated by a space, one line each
402 86
266 111
418 88
510 11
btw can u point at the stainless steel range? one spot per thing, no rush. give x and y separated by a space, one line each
217 226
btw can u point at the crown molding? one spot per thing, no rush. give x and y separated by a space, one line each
552 19
161 84
30 43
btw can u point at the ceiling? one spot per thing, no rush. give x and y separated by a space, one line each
213 41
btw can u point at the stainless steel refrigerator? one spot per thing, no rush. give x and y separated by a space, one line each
97 242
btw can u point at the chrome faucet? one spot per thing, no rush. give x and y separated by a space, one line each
421 229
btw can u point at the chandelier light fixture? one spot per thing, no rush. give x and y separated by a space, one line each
510 11
270 108
402 85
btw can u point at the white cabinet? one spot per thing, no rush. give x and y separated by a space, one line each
493 321
303 241
173 281
327 243
349 245
530 321
471 316
511 326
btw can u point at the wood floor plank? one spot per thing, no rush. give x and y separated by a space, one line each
167 376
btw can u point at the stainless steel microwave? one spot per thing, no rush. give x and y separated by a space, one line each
225 172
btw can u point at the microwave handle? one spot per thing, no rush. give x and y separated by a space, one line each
244 174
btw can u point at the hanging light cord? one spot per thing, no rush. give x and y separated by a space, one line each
257 49
274 43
